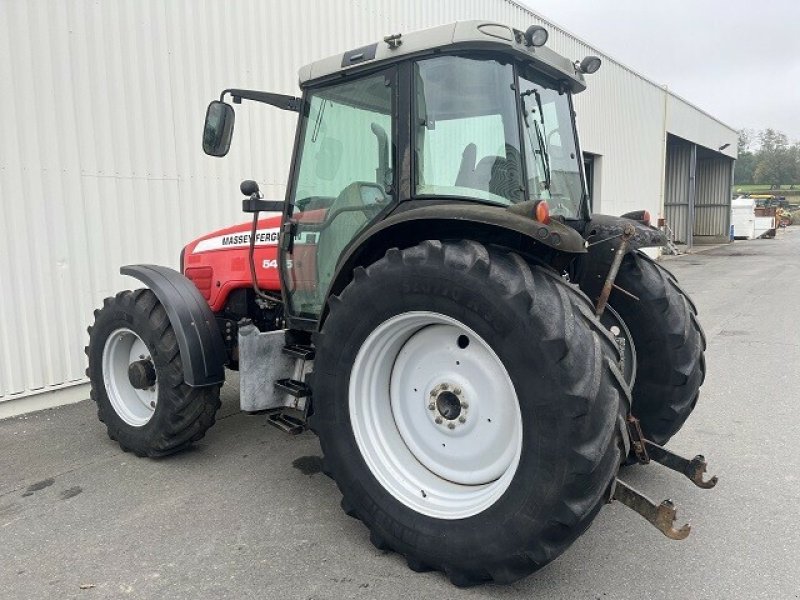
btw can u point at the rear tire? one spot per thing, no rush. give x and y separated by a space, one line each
543 346
161 419
669 345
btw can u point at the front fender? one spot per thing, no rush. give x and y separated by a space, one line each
199 339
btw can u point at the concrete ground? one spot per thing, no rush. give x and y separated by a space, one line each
246 514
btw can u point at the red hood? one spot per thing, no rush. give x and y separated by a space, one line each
236 236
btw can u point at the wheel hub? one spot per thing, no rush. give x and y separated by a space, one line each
130 377
448 405
142 374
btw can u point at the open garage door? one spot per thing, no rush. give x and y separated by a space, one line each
697 193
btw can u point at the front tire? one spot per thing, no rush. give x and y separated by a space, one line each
504 491
147 408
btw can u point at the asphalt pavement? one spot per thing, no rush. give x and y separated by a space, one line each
247 514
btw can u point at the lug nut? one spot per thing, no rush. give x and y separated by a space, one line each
152 404
457 391
431 406
444 387
438 420
451 425
462 419
464 405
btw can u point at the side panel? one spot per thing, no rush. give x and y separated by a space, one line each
218 263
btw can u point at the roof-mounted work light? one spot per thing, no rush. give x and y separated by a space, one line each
590 65
536 36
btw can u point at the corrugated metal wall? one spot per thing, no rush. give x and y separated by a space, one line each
712 215
676 190
100 165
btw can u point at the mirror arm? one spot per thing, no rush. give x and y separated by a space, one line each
281 101
252 205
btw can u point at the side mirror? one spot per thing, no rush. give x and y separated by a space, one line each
218 129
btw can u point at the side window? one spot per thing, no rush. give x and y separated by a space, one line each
466 134
344 180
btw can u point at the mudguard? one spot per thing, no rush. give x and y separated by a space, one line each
422 220
603 238
199 339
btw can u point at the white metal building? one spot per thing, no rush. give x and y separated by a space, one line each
102 104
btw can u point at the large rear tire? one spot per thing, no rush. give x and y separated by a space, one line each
469 408
669 345
132 342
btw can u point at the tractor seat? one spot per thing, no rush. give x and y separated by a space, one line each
495 174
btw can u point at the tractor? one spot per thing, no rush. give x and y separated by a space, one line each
478 354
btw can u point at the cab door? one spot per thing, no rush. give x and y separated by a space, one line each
343 180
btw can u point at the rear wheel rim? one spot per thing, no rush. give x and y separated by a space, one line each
134 406
435 415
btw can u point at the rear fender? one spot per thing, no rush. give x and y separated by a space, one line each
199 339
555 244
603 235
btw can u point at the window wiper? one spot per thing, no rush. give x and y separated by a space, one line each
544 154
540 139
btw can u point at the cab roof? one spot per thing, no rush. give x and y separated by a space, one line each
461 35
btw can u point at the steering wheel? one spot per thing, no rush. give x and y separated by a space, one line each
371 199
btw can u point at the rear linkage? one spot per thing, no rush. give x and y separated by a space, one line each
662 516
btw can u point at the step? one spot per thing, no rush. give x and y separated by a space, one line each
288 420
295 388
299 351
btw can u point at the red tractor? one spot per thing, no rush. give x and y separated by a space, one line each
478 354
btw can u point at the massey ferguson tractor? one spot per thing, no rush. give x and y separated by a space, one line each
477 353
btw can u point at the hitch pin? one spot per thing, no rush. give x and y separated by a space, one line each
661 516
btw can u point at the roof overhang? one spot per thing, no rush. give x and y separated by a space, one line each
462 35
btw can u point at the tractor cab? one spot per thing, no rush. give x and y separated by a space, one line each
471 112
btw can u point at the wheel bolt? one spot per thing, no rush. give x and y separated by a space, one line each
462 419
451 425
438 420
444 387
464 405
431 406
457 391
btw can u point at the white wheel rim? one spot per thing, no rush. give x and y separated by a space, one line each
453 467
134 406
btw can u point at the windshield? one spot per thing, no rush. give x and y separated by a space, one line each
552 164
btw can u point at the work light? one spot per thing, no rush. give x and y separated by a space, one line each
536 36
589 65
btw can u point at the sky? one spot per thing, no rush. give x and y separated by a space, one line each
737 60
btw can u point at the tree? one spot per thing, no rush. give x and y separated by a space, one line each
773 141
766 157
746 163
